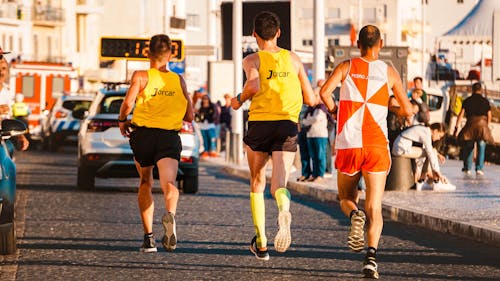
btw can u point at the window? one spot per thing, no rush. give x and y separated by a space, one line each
193 20
28 88
434 102
333 42
57 86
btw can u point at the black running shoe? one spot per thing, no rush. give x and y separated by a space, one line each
370 268
148 246
260 255
356 238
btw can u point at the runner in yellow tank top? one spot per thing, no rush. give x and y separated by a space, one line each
161 104
277 84
279 97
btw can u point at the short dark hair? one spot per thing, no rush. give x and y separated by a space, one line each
476 87
369 36
417 78
266 24
438 126
159 45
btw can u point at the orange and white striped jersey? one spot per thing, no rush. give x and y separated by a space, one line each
364 99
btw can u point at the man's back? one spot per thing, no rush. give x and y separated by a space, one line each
364 96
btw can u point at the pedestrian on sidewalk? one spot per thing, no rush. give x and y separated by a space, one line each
318 117
476 131
206 117
305 158
161 104
361 142
277 85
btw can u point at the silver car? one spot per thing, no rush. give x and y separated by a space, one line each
60 126
104 152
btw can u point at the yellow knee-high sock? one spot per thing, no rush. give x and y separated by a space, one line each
258 207
282 196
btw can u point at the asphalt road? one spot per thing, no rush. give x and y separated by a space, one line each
66 234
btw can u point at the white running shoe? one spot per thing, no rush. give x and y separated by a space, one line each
440 186
283 238
169 240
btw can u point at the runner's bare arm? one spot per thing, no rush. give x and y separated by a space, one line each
189 116
405 107
337 76
307 90
137 84
252 85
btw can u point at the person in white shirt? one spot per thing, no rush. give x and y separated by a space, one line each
416 142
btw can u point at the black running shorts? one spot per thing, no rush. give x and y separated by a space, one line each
150 145
269 136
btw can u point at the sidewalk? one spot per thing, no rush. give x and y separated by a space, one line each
471 211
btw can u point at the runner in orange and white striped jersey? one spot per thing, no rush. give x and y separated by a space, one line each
361 141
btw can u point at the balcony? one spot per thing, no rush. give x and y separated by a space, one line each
47 15
10 13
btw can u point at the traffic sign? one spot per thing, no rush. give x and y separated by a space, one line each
135 48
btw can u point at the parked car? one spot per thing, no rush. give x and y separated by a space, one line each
9 129
60 126
104 152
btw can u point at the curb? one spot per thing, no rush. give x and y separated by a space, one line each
398 214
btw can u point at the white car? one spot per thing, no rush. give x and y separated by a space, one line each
104 152
60 126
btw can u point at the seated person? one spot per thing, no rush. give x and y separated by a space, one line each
416 142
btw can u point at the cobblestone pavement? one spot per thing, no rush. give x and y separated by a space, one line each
471 211
66 234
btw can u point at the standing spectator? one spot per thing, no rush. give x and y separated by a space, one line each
418 85
161 104
6 102
206 116
305 157
317 118
477 110
225 119
276 85
361 140
20 109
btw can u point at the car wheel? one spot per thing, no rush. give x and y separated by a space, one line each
85 178
7 229
190 184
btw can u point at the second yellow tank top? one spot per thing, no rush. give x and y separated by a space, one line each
280 95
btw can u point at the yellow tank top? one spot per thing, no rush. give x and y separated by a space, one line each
280 94
162 103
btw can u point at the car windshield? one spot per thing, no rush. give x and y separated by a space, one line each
111 104
76 104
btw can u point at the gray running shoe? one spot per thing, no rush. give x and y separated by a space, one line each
356 238
283 238
169 240
148 246
370 268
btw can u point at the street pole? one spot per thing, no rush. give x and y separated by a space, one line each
237 115
319 41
